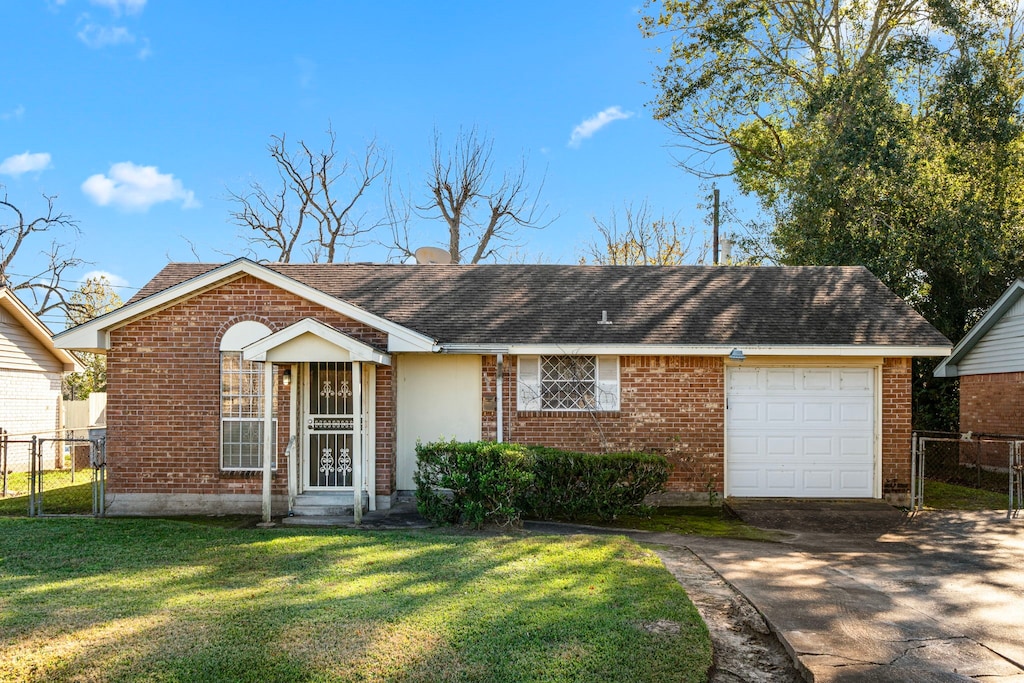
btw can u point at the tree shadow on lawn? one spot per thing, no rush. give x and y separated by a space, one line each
128 599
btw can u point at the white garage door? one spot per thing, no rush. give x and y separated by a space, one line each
800 432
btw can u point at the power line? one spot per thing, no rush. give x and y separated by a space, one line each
76 282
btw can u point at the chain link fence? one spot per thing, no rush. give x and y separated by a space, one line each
53 474
983 470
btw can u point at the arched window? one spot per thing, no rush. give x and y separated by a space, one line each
241 399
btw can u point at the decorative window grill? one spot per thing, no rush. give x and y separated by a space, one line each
569 383
241 412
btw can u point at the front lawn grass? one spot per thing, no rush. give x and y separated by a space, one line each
142 599
705 520
943 496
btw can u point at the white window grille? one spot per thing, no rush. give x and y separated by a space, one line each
569 383
241 412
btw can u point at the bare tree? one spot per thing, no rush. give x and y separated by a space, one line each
482 215
315 205
642 238
40 288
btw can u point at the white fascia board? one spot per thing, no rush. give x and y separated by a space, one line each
948 367
748 350
39 331
257 351
93 335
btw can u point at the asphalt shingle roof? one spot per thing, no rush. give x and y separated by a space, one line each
556 304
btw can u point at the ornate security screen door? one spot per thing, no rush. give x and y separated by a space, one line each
330 424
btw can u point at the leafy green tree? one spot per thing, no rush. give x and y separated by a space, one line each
95 297
885 134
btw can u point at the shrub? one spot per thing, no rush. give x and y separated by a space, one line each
569 485
471 483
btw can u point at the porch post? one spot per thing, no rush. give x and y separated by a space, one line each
357 445
293 431
268 434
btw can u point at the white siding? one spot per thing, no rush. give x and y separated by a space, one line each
1001 349
19 350
29 404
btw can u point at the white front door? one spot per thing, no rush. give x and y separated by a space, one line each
330 444
800 432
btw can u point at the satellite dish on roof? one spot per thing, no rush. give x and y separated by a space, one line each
432 255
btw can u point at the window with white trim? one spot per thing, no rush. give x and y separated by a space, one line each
570 383
241 401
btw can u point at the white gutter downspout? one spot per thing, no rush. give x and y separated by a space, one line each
500 416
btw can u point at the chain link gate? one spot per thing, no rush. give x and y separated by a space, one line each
982 462
39 479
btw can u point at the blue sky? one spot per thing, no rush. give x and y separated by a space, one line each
142 114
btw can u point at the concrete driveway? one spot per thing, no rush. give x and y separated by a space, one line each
869 595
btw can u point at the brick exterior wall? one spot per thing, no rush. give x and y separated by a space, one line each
163 398
897 428
30 405
672 405
992 404
675 406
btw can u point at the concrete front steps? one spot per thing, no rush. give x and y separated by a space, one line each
333 504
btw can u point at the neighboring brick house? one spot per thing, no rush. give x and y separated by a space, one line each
752 381
989 361
31 368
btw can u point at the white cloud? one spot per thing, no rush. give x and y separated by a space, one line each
96 36
119 6
114 280
25 163
136 188
15 114
596 123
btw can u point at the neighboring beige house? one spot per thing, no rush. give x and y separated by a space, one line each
31 368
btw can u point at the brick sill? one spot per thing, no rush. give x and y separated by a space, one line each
244 474
568 413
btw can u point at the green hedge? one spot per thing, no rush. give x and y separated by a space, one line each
496 483
473 483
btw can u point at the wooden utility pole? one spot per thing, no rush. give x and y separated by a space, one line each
714 224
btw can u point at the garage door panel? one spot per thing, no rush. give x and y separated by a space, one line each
818 413
747 411
781 379
855 414
817 380
857 380
801 432
853 480
777 412
782 482
819 481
